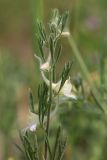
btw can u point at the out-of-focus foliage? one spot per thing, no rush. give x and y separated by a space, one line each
9 83
12 77
86 125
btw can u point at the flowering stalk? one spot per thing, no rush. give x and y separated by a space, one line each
51 93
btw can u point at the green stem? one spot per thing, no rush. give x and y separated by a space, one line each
79 58
85 71
54 76
37 9
76 14
102 69
48 114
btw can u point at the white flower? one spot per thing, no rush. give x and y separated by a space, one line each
44 66
32 127
32 122
67 89
65 34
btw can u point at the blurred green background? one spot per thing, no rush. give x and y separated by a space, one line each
87 131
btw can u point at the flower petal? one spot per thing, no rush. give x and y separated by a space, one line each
33 127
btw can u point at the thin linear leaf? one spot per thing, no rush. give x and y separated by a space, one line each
56 143
31 102
49 147
40 43
65 74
